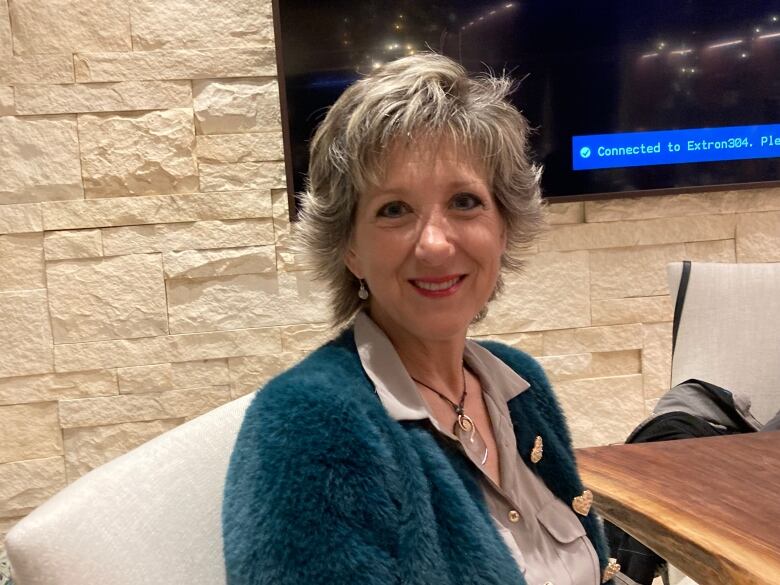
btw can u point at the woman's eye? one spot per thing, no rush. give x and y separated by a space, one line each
393 209
465 201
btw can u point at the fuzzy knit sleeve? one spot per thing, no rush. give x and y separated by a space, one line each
308 496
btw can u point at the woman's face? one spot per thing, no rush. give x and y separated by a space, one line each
428 241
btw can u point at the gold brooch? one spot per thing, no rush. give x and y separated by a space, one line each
612 569
581 504
538 450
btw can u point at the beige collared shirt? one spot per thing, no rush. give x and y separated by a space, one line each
543 534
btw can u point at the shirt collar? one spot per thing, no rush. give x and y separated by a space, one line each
398 392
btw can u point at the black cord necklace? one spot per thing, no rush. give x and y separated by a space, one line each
465 429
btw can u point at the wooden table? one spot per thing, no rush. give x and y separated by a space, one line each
709 506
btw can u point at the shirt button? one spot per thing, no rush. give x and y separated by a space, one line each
548 583
514 517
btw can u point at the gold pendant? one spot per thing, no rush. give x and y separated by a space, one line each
465 423
538 450
581 504
469 437
612 569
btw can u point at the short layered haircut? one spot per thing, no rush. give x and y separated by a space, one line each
417 100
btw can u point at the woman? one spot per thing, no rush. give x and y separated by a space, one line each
401 452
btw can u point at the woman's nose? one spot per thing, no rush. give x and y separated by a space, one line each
434 243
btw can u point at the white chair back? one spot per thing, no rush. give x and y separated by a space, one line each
151 516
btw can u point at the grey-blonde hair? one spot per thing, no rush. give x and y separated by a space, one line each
422 97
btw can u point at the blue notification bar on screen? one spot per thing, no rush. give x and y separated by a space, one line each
674 147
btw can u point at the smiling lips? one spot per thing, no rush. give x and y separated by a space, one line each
438 287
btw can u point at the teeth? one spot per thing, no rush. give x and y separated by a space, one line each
436 286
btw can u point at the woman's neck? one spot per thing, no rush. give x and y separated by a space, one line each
436 362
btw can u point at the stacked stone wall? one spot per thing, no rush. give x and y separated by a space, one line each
145 273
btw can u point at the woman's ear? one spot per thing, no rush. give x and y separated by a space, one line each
353 262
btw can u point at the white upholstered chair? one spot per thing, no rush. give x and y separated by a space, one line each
151 516
729 335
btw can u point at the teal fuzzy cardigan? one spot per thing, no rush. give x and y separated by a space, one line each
324 487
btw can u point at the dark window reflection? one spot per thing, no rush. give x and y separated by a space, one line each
587 68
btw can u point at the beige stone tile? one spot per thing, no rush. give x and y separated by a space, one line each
631 310
531 343
21 219
102 97
758 237
646 232
62 26
7 103
21 262
307 337
241 176
46 69
562 213
685 204
613 338
244 301
561 342
287 258
6 41
172 24
290 261
40 159
649 207
190 264
51 387
592 339
88 448
200 235
281 215
25 334
29 431
566 367
72 357
764 199
632 272
143 379
239 148
250 373
24 485
601 411
657 359
551 293
592 365
71 244
234 106
92 412
615 363
715 251
138 154
108 298
176 64
156 209
200 373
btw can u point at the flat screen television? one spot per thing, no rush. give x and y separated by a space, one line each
626 97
